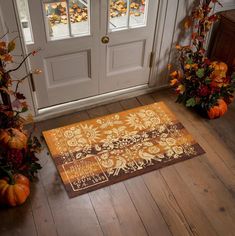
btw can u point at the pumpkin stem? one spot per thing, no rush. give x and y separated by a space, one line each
9 174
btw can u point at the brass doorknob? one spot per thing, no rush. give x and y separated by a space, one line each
105 39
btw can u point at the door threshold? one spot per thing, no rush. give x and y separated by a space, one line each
90 102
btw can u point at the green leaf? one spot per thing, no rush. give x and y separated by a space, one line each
11 46
189 61
191 102
207 80
200 73
24 109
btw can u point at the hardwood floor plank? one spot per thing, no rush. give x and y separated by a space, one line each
102 202
42 214
119 216
147 208
167 204
198 221
62 120
214 199
130 103
17 221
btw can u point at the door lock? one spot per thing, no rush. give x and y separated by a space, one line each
105 39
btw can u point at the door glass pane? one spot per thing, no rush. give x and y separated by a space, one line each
79 17
67 18
137 13
23 10
118 14
124 14
56 19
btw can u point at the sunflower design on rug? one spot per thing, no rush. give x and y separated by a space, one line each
98 152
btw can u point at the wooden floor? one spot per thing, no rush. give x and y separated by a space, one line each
195 197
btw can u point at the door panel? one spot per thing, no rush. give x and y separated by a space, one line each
69 61
127 55
67 68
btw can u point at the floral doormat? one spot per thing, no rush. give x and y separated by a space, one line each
105 150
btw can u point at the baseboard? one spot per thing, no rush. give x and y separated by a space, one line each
87 103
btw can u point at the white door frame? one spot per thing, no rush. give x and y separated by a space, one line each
10 16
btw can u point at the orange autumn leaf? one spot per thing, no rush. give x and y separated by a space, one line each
187 66
173 82
187 23
178 47
3 44
7 58
174 74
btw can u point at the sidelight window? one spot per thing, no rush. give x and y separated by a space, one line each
25 21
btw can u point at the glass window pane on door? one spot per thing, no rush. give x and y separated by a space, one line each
79 17
138 13
124 14
56 19
24 16
66 18
118 18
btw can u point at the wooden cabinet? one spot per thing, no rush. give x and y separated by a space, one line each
223 42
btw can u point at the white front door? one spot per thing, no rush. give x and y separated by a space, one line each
76 59
125 59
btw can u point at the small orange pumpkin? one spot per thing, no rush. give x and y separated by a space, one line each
218 110
220 69
14 192
13 138
219 66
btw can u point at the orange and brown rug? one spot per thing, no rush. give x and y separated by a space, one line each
102 151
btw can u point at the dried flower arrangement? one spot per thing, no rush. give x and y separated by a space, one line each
18 148
199 82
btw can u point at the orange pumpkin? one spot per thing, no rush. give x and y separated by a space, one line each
14 192
13 138
218 110
220 69
221 66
